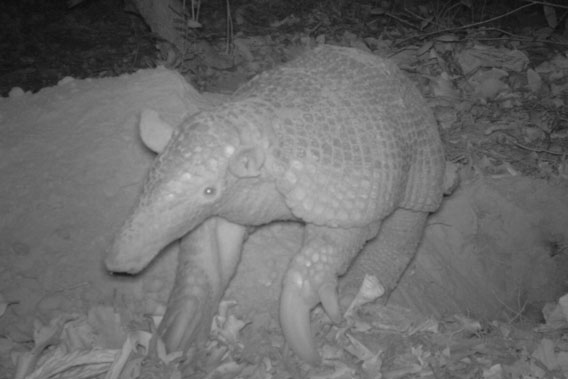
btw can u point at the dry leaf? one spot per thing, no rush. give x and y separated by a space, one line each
194 24
78 335
493 372
534 80
550 15
45 335
485 56
443 86
340 371
487 84
369 291
563 169
545 354
563 303
121 358
77 364
229 331
468 324
358 349
107 326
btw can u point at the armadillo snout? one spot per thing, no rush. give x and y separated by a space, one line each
119 261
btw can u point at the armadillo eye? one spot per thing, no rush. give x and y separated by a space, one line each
209 191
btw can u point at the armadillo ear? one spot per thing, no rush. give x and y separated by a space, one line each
154 131
247 162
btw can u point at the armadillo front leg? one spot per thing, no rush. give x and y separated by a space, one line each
312 278
207 260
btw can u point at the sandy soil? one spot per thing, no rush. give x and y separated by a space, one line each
71 165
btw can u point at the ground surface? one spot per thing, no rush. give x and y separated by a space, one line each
74 163
71 164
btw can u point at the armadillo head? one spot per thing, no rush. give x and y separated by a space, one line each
195 168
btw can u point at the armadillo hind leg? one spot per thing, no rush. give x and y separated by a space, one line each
311 278
388 255
207 259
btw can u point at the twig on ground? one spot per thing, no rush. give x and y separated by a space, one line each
469 26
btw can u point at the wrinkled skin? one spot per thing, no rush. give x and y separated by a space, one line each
337 139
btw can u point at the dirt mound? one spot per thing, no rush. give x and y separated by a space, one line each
71 163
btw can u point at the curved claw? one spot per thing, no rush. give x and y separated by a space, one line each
329 301
180 326
295 319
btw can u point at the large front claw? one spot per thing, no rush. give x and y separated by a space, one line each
186 324
207 260
312 279
299 296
